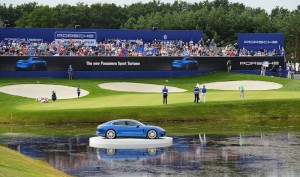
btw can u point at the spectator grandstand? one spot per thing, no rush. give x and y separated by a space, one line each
117 47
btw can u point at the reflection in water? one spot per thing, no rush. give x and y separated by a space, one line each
128 154
205 155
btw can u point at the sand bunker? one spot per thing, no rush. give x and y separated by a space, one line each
42 90
248 85
66 92
137 87
229 85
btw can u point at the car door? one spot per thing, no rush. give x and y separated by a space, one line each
40 63
35 61
120 127
189 62
134 129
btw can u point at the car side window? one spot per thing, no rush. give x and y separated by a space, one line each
119 123
130 123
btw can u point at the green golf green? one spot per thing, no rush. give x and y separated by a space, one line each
101 105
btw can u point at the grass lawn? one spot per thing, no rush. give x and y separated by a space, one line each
15 164
102 105
224 112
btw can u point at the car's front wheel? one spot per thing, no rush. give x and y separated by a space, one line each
151 151
33 67
152 134
111 134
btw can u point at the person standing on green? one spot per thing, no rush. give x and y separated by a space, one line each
241 91
165 95
78 91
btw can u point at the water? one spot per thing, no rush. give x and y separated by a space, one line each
214 155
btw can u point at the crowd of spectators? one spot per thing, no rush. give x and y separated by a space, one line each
118 47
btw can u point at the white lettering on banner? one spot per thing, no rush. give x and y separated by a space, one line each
75 36
109 63
133 63
259 63
261 42
119 63
23 39
86 42
122 63
88 38
247 63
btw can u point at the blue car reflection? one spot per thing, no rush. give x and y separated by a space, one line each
31 64
129 154
185 64
129 128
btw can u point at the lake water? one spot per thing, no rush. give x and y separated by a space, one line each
190 155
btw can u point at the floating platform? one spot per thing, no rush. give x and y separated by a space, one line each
130 143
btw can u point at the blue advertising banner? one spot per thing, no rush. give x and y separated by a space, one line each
256 41
87 38
50 34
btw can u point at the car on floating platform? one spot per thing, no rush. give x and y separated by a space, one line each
129 128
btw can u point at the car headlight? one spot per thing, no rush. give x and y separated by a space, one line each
99 126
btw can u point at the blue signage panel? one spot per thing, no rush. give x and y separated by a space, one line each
256 41
87 38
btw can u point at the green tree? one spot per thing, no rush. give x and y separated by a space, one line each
42 17
129 24
12 14
65 15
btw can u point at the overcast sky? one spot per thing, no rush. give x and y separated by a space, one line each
268 5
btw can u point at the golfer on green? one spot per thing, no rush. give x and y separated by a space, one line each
241 91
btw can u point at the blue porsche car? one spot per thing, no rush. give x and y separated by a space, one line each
129 128
185 64
31 64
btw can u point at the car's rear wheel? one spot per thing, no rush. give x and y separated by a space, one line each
110 152
110 134
152 134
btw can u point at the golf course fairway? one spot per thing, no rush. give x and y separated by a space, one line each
102 105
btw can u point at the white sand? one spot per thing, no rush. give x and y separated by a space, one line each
248 85
66 92
229 85
42 90
137 87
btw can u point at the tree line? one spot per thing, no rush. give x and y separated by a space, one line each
219 19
